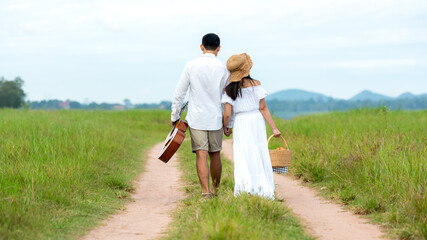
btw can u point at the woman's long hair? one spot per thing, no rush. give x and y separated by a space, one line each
234 89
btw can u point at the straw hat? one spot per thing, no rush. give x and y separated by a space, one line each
239 66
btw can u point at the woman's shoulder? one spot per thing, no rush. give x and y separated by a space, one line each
257 83
251 83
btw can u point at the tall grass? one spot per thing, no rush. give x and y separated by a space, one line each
374 161
225 216
61 171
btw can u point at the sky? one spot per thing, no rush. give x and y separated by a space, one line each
107 51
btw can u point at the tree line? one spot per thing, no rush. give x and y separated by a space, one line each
13 96
56 104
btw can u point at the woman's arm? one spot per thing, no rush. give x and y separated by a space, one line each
266 113
226 119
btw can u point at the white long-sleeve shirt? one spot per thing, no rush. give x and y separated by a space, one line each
206 77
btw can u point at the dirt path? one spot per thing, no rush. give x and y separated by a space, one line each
157 192
322 219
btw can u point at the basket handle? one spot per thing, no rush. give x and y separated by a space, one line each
283 139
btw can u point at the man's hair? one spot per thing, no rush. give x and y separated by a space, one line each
210 41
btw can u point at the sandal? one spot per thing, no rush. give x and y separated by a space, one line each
207 195
215 191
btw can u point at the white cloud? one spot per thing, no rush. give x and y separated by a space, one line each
141 34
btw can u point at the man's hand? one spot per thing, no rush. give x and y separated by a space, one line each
172 123
228 131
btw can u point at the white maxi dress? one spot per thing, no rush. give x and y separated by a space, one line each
252 165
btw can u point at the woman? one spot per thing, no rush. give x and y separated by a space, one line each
245 97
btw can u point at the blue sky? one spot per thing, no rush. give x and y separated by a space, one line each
106 51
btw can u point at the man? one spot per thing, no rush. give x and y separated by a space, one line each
206 77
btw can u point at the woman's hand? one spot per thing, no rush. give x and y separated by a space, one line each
276 132
227 131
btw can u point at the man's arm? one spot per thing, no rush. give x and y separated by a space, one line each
180 92
231 113
228 111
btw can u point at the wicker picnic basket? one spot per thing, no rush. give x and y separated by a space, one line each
280 158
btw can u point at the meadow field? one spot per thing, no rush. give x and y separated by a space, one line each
227 217
372 160
63 171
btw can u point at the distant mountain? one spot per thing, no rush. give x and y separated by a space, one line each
295 102
407 95
302 95
296 95
368 95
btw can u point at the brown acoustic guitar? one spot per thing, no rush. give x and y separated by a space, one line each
174 139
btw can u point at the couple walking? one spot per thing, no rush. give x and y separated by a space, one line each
212 84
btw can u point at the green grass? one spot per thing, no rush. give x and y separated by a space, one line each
374 161
225 216
62 171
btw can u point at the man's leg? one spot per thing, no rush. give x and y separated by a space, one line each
215 146
203 169
216 169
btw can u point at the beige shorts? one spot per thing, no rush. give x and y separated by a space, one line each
208 140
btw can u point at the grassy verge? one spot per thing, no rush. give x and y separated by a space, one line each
62 171
227 217
374 161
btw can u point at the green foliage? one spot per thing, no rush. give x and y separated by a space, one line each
62 171
226 216
55 105
373 160
11 93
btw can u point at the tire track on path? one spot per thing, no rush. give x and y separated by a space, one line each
321 218
157 193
